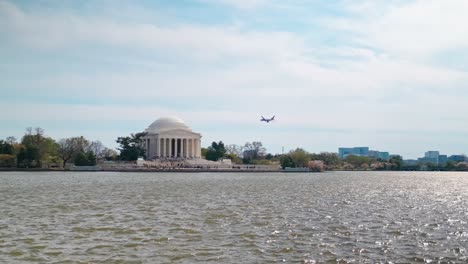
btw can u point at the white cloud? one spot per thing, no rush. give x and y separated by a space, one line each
409 29
64 30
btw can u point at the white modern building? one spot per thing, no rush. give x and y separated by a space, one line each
170 137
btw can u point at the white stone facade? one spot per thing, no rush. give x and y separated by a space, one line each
170 137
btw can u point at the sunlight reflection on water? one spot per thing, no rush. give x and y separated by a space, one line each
341 217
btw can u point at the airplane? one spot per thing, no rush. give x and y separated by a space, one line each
267 119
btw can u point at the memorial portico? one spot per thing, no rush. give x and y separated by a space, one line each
170 137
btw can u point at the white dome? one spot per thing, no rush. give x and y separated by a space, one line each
166 124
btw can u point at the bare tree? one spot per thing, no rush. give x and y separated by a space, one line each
98 148
234 149
66 150
110 154
70 147
254 150
11 140
39 131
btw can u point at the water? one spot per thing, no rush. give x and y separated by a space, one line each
336 217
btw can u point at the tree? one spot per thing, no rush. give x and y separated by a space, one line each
396 162
330 159
253 151
11 140
97 148
234 158
462 166
110 154
287 161
85 159
215 151
234 153
450 166
300 157
6 148
29 157
358 161
48 150
203 152
81 159
45 149
131 147
91 157
69 148
234 149
316 165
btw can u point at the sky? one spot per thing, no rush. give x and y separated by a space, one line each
391 75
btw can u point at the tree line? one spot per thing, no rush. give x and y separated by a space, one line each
36 150
255 153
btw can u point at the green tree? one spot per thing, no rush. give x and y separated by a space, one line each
131 147
300 157
203 152
6 148
216 151
450 166
29 157
39 149
91 158
81 159
287 161
359 161
396 162
234 158
85 159
330 159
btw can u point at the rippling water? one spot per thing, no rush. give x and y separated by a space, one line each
336 217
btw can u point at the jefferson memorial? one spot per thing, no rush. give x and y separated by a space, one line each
170 137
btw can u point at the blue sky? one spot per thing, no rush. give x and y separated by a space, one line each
391 75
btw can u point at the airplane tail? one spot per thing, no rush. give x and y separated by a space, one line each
273 118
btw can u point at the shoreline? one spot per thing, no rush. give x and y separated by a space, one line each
196 170
142 170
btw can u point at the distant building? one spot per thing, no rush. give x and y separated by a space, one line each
410 162
457 158
443 160
364 151
425 160
432 154
430 157
357 151
379 155
374 154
